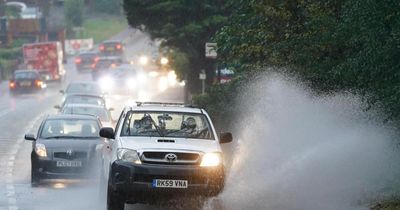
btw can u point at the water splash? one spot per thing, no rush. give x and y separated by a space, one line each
298 151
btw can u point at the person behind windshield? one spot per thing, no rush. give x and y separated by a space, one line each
189 126
143 125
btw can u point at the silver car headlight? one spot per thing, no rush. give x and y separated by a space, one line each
40 150
128 155
211 159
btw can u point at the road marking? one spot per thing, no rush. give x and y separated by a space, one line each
4 112
12 199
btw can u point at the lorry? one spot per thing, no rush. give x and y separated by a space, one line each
45 57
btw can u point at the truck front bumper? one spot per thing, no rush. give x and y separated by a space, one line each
136 181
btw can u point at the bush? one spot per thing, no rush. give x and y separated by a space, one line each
13 53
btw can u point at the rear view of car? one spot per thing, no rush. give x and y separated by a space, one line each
103 65
111 48
24 81
86 60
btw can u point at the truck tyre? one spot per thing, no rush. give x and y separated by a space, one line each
115 201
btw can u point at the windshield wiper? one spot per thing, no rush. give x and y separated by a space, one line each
159 131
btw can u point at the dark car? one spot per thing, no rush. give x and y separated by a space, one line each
104 64
86 60
65 147
111 48
26 81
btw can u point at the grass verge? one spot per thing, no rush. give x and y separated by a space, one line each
102 27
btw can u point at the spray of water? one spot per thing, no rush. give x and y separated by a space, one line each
294 150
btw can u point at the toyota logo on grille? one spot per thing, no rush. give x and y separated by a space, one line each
70 153
171 157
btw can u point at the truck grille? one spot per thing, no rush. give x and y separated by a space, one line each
182 158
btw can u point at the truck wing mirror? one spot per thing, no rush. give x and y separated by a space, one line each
225 138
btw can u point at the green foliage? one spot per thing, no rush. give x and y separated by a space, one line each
335 45
8 54
6 68
107 6
185 25
74 13
179 61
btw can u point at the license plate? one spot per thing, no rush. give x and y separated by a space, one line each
110 48
25 84
69 164
168 183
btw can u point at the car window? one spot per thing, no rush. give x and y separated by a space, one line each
26 75
102 113
167 124
64 128
76 99
84 88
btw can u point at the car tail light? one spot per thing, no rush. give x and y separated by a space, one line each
96 59
118 46
78 60
56 76
12 84
39 83
93 65
113 65
102 47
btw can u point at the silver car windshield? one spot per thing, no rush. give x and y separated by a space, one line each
100 112
70 128
167 124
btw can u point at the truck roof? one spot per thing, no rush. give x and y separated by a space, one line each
168 107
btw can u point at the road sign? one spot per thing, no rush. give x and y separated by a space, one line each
202 75
211 50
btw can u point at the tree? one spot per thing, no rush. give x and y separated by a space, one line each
74 10
185 25
334 45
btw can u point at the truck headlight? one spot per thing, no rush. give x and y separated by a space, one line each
40 150
128 155
211 159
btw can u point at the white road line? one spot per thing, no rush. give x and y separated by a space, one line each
12 199
4 112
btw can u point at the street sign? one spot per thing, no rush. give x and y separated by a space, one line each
211 50
202 75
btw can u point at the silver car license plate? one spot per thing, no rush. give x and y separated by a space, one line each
69 164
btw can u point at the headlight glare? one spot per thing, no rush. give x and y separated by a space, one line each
211 159
128 155
40 150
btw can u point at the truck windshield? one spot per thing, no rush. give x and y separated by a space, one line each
167 124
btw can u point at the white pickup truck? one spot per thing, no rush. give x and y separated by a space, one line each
159 151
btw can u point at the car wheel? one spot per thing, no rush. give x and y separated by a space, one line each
35 179
115 200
